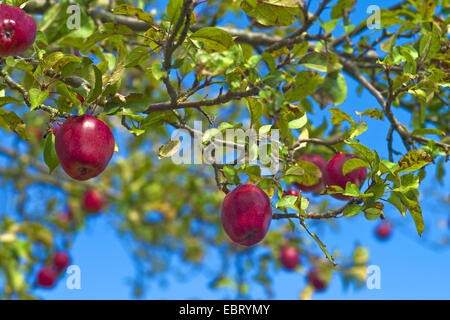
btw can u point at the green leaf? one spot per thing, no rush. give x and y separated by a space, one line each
316 61
137 102
170 148
372 113
339 8
8 99
424 131
50 157
10 120
352 210
173 10
414 209
287 202
214 39
357 129
272 12
333 91
311 173
37 97
134 12
414 160
339 116
231 175
353 164
298 123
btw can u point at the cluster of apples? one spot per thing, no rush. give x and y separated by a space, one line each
84 144
48 275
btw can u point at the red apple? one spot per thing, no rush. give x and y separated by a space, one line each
321 163
290 257
93 201
334 176
47 277
291 192
383 230
84 145
317 279
17 31
80 97
61 260
246 215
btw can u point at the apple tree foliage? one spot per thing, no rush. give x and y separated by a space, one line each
272 65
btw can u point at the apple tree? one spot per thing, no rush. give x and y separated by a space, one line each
99 99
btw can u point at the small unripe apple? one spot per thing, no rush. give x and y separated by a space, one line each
317 279
246 214
334 176
84 145
93 201
290 257
383 230
290 192
47 277
17 31
61 260
319 162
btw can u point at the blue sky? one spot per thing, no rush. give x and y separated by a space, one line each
409 268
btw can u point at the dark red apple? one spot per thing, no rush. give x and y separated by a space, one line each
93 201
317 279
383 230
47 277
321 163
84 145
61 260
334 176
17 31
246 214
290 257
291 192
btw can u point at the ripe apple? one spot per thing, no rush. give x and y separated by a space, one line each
246 214
317 279
290 257
321 163
334 176
47 277
17 31
290 192
84 145
383 230
93 201
61 260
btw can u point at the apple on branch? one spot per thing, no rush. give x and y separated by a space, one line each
84 146
319 162
246 214
334 176
17 31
